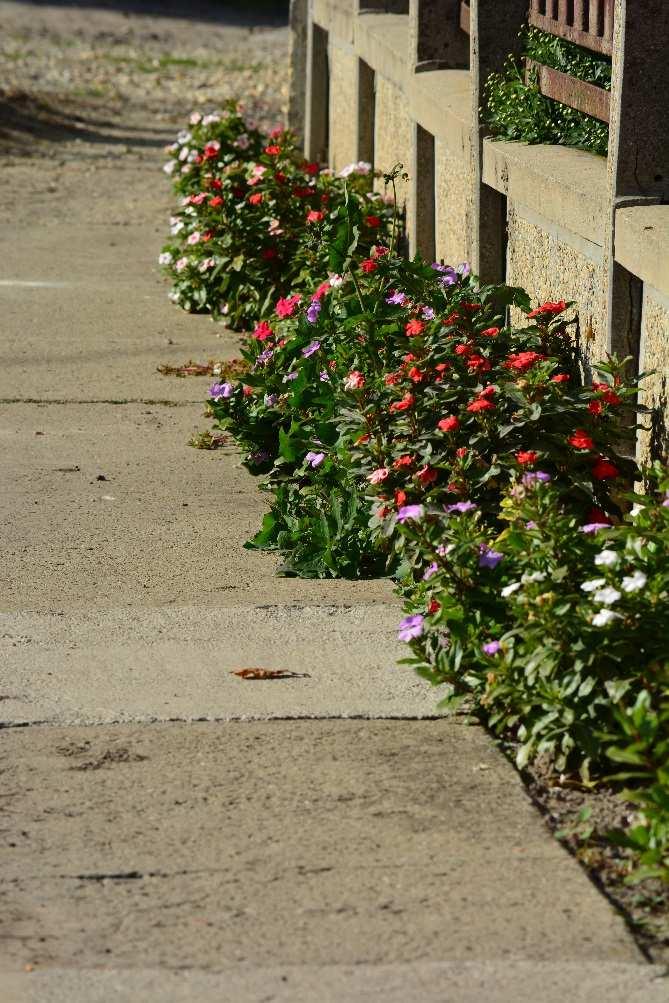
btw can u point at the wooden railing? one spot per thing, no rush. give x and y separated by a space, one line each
586 22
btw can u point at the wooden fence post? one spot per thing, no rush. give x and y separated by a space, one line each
494 28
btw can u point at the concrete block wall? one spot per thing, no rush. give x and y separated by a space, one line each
399 81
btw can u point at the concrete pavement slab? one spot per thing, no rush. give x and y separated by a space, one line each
283 843
166 664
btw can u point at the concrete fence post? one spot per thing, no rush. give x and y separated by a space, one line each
316 124
494 28
436 40
638 162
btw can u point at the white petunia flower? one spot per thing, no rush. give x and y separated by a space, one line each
634 582
164 258
169 167
607 559
183 153
594 583
183 137
535 576
336 281
608 595
508 590
604 617
634 511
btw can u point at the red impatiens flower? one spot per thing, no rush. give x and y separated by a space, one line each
414 327
248 391
463 349
488 391
262 331
314 216
451 319
478 364
390 379
461 452
548 309
211 149
416 375
491 332
403 461
372 221
472 307
449 424
273 151
580 440
526 457
434 607
427 475
407 401
312 169
286 307
255 198
215 202
520 362
323 289
368 265
400 497
560 378
216 184
595 407
481 404
607 394
441 367
604 470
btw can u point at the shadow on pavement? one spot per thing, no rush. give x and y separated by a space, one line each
251 13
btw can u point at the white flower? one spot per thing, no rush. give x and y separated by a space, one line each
634 582
609 595
634 511
195 118
242 142
192 156
535 576
508 590
594 583
607 559
604 617
362 167
169 167
164 258
176 227
183 153
205 265
186 169
336 281
180 264
193 238
183 137
208 119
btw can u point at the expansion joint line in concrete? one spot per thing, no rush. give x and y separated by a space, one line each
125 400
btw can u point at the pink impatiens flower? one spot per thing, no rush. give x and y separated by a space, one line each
378 475
286 307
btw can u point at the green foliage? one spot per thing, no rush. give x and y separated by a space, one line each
518 111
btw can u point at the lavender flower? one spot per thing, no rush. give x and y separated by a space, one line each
594 527
410 512
464 269
264 357
290 376
427 313
410 627
310 349
396 298
492 647
220 391
532 476
313 311
489 558
314 459
463 506
324 377
430 570
270 400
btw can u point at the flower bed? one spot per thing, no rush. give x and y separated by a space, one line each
404 426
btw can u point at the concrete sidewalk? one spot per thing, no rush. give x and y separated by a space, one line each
174 833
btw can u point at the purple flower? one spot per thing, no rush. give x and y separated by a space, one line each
449 279
264 357
314 459
665 503
438 267
270 400
310 349
410 512
313 311
532 476
323 377
290 376
492 647
593 527
220 391
489 558
396 298
428 313
430 570
464 506
410 627
464 269
531 524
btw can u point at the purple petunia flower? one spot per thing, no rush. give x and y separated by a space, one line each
428 313
430 570
593 527
264 357
313 311
492 647
410 512
270 400
410 627
220 391
449 278
438 267
310 349
324 377
396 298
314 459
464 269
532 476
489 558
463 506
290 376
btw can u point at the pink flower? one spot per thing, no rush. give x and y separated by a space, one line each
286 307
378 475
354 381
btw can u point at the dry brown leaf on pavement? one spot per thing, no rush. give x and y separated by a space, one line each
268 674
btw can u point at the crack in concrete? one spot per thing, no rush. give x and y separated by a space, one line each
124 400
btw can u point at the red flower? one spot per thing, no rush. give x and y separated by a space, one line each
480 405
372 221
400 498
273 151
451 319
548 309
414 327
368 265
520 362
314 216
380 251
527 457
256 198
390 379
403 461
441 367
472 307
407 401
263 331
604 470
598 515
434 606
286 307
216 183
323 290
304 193
427 475
416 374
478 364
491 332
595 407
312 169
211 150
215 201
461 452
463 349
248 391
488 392
450 424
560 378
279 176
607 394
580 440
269 252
